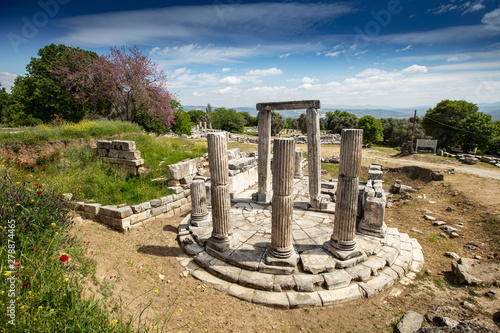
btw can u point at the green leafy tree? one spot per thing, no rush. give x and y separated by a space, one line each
182 123
372 129
249 120
41 93
443 122
209 109
477 130
340 120
195 115
277 123
152 123
398 131
4 105
227 120
302 123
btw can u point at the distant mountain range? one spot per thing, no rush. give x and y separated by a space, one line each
362 110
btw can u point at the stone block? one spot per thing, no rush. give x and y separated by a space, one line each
359 272
103 144
160 210
102 152
118 213
92 208
245 294
223 270
233 154
279 300
337 279
114 153
375 174
302 300
155 203
390 254
351 293
181 170
256 280
187 180
139 217
203 259
136 163
375 263
129 155
209 279
376 285
306 282
146 205
317 261
176 189
123 145
410 323
120 224
136 209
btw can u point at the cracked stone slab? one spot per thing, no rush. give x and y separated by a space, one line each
317 261
301 300
203 259
404 261
284 282
224 270
418 255
279 300
247 257
351 293
369 245
193 249
256 280
306 282
208 278
390 254
240 292
377 284
359 272
375 264
337 279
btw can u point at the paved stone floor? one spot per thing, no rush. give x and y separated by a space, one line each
318 279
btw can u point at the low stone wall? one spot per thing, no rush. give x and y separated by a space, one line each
471 158
121 155
127 217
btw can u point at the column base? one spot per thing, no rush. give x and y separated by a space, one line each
371 230
287 259
320 203
201 221
345 258
263 198
220 244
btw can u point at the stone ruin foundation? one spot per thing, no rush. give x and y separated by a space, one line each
285 254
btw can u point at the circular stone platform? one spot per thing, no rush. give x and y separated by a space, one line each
319 279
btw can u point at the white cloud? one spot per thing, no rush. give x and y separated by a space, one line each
231 80
409 47
492 20
307 79
265 72
333 54
458 58
467 7
200 24
227 90
285 55
226 69
7 80
414 69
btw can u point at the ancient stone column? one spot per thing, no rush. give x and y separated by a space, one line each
222 232
264 161
205 125
342 244
281 251
298 164
314 156
199 211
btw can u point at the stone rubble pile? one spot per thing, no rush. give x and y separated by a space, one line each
471 159
121 155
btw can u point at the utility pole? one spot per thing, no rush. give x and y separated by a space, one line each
413 130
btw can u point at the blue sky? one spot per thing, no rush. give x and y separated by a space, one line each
397 53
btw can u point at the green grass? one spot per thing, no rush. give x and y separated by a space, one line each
333 169
44 291
83 129
81 172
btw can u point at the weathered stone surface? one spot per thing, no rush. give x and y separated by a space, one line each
103 144
306 283
129 155
136 209
301 300
224 270
351 293
377 284
452 255
123 145
136 218
390 254
181 170
203 259
370 246
462 328
317 261
193 249
240 163
92 208
375 264
155 203
285 282
445 322
208 278
463 270
240 292
337 279
279 300
120 224
247 257
233 154
410 322
359 272
256 280
118 213
289 105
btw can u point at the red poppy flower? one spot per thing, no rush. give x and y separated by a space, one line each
25 284
91 252
64 247
16 263
64 258
39 192
35 249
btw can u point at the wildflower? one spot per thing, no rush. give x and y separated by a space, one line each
29 292
91 252
57 233
64 258
64 247
16 263
2 292
25 284
40 307
66 280
156 291
52 224
32 200
22 307
180 309
51 310
18 204
114 321
7 274
38 192
199 313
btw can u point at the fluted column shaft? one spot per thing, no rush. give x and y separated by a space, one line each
264 161
298 164
199 209
344 228
281 252
221 201
314 156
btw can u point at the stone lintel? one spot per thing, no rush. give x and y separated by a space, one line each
289 105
